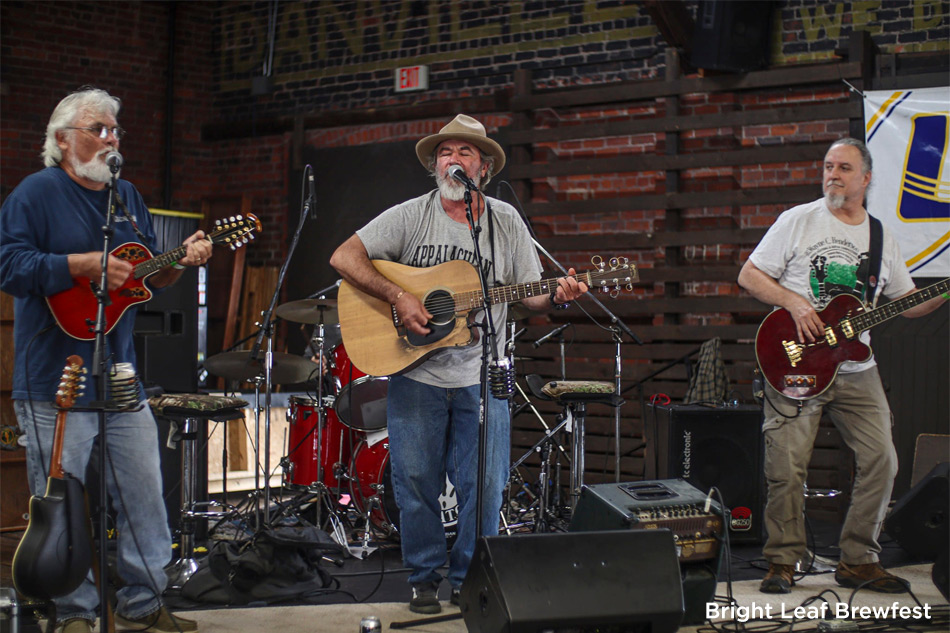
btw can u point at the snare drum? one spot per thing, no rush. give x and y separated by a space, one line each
303 449
372 475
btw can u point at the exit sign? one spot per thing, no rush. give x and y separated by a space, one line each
411 78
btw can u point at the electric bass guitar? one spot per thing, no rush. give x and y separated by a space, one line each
379 344
55 553
75 309
805 370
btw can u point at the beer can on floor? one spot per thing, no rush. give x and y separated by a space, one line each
370 624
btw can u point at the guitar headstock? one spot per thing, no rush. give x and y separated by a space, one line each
235 231
72 384
613 275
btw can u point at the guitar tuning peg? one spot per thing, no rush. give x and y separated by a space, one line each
240 217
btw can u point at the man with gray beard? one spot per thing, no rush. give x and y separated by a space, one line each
811 254
433 409
50 234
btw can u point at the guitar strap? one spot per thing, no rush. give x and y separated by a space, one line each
125 212
874 259
491 239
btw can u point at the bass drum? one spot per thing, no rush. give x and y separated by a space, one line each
372 475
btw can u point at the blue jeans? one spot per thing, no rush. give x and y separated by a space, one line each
433 431
135 490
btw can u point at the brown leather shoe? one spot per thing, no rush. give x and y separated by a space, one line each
878 578
779 579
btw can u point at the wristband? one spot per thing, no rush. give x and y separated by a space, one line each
177 266
946 295
401 293
556 305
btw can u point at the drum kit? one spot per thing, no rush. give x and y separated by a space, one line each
337 455
337 450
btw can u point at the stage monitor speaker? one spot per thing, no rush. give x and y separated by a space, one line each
920 520
712 446
574 581
732 36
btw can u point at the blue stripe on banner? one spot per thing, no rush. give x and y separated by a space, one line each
889 113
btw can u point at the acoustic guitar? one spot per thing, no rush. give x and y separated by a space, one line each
379 344
805 370
75 309
55 555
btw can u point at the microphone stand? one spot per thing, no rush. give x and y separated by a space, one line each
99 373
489 350
616 328
267 329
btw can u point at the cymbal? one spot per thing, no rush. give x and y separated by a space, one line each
310 311
287 369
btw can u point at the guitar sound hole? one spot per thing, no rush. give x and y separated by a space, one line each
440 305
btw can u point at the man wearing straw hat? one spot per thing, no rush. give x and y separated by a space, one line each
433 409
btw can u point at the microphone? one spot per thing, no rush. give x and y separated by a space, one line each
544 339
309 205
324 291
114 160
458 173
501 378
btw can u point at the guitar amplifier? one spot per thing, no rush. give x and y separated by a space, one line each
712 446
672 504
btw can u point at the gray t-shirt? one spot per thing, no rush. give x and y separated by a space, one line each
419 233
816 255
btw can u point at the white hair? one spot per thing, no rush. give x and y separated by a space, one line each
66 113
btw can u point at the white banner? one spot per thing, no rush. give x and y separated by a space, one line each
908 134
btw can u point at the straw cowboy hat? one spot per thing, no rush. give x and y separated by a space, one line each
462 128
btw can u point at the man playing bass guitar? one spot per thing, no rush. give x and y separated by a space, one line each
812 253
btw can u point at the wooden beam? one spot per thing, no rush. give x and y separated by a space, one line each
764 116
763 195
780 154
634 91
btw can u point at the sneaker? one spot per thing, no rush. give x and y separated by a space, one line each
454 598
779 579
77 625
877 577
160 621
425 598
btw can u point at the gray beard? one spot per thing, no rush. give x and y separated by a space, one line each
835 200
95 170
451 189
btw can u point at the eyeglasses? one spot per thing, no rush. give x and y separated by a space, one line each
102 131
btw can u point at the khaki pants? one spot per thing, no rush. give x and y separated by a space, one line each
857 406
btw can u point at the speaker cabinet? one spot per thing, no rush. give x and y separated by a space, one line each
576 581
732 36
920 520
166 336
712 446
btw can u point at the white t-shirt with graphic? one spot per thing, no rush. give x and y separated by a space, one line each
814 254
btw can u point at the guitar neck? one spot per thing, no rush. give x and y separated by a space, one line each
871 318
152 266
56 459
465 301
